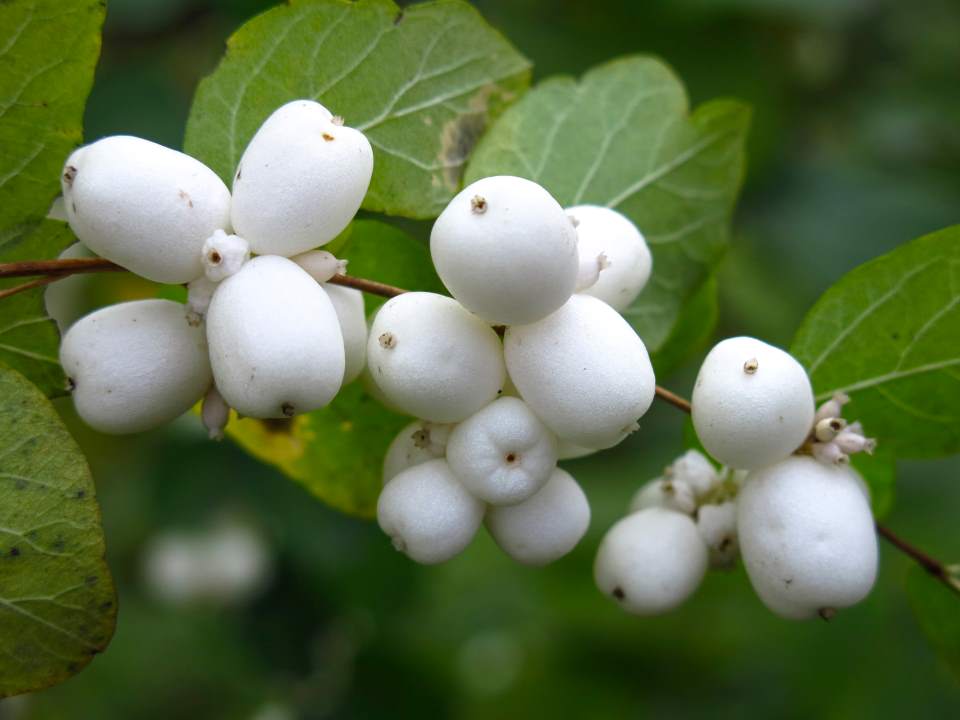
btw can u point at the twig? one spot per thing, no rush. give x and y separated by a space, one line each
673 399
368 286
936 568
39 282
26 268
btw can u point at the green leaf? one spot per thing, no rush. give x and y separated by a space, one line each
29 340
382 252
48 50
421 83
337 452
888 334
57 601
937 609
622 137
879 471
692 330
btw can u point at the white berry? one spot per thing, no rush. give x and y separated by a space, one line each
545 526
63 299
144 206
300 180
718 528
627 262
215 413
320 264
224 255
696 470
665 493
432 358
752 403
583 370
135 366
428 514
651 561
807 537
275 341
505 249
417 443
348 304
503 454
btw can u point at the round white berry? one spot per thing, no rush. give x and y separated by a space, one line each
696 470
505 249
427 513
503 454
135 366
545 526
626 260
63 299
348 304
665 493
417 443
433 359
144 206
718 528
583 370
651 561
320 264
752 403
300 180
275 341
223 255
807 537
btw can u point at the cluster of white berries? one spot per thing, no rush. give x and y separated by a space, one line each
801 522
267 336
569 377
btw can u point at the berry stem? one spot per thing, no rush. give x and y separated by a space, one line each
936 568
674 399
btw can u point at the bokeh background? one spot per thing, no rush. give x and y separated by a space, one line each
855 149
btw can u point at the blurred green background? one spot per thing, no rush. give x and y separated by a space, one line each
855 148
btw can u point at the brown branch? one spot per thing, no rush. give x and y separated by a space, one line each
368 286
936 568
39 282
674 399
26 268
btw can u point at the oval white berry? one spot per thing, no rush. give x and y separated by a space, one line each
135 366
63 300
320 264
505 249
503 454
215 413
696 470
752 403
665 493
433 359
348 303
651 561
300 180
427 513
807 537
275 341
417 443
627 262
144 206
545 526
583 370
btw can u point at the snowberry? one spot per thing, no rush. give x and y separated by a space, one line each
300 180
505 249
583 370
427 513
417 443
503 454
752 403
215 413
199 294
807 537
135 366
144 206
275 342
432 358
223 255
651 561
718 528
545 526
567 450
320 264
696 470
63 299
348 304
665 493
611 243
